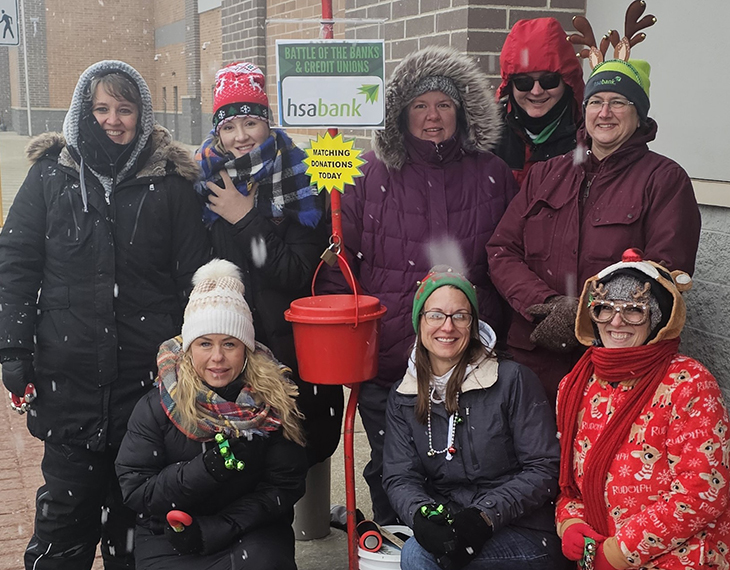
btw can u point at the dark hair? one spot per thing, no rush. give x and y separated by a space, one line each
474 351
119 86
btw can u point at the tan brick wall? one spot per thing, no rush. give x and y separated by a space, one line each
15 78
211 58
170 72
82 33
168 11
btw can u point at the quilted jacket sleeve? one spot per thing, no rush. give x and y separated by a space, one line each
509 270
22 255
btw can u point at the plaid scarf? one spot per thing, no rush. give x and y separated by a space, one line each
244 417
278 167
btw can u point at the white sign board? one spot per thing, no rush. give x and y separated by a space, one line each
331 83
9 22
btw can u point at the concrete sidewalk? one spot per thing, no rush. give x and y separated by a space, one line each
20 454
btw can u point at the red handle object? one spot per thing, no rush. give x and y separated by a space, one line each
178 520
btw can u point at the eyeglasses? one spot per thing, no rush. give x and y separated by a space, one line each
527 82
437 319
616 105
631 313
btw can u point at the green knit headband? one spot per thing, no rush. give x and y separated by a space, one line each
438 277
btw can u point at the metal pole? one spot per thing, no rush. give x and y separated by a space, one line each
327 33
350 477
25 62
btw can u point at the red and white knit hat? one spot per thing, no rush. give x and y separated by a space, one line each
217 305
240 90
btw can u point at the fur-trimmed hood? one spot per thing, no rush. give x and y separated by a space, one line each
483 121
164 152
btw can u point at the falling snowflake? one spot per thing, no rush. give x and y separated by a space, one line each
630 501
628 531
694 462
624 471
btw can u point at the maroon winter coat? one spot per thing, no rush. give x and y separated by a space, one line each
542 246
391 218
414 194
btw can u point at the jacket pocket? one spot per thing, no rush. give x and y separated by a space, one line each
539 229
53 298
614 228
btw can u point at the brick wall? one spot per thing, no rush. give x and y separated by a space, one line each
82 33
243 31
303 9
14 77
211 60
168 11
706 336
35 20
475 27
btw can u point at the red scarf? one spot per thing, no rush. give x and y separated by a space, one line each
647 362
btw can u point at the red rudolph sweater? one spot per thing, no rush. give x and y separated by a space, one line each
668 489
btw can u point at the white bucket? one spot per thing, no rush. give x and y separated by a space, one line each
388 557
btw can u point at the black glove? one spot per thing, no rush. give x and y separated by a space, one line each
188 541
215 464
556 323
433 529
18 373
472 532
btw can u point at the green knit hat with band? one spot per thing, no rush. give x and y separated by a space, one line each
439 276
627 78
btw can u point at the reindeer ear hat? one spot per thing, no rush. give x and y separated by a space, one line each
643 281
628 77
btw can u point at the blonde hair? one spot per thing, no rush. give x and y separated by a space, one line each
268 386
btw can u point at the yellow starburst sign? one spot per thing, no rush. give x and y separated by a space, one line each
332 162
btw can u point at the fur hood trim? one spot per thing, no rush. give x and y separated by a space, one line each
165 152
483 119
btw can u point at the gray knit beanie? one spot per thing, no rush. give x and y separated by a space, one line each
621 287
437 83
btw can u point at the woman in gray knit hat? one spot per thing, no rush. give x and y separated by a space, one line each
430 179
96 257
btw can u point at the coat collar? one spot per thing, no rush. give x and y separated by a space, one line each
483 375
165 153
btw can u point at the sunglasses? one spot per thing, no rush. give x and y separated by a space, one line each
634 314
526 82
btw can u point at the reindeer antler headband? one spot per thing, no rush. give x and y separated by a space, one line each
622 47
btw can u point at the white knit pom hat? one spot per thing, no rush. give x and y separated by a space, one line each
217 305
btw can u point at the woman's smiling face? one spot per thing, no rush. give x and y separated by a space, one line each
447 342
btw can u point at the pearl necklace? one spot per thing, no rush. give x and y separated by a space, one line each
451 448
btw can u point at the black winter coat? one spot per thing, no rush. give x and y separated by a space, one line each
507 457
161 469
292 255
93 293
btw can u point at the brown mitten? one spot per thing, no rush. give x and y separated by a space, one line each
556 323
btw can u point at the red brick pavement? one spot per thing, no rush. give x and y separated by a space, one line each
20 476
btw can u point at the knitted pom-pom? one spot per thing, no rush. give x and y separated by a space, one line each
632 254
215 270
